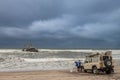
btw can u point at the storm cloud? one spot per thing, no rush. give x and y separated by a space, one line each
60 23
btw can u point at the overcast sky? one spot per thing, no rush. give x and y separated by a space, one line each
60 23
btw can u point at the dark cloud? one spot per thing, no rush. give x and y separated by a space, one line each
21 12
64 23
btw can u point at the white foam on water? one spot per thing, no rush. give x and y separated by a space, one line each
61 50
50 59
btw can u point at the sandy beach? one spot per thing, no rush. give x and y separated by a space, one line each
58 75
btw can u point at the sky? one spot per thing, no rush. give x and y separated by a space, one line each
60 23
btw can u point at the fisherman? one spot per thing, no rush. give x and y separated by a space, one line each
78 65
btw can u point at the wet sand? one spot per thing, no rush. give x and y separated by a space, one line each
58 75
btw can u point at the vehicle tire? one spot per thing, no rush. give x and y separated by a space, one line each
108 72
82 69
85 71
94 70
108 63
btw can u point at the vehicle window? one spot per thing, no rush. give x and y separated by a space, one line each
110 58
101 58
95 59
90 59
105 57
87 60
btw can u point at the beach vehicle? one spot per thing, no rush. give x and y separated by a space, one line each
99 62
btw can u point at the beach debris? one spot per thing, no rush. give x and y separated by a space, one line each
30 48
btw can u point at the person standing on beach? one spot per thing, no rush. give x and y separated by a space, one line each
78 65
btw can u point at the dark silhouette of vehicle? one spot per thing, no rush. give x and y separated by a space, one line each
29 48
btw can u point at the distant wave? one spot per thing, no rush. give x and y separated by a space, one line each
50 59
61 50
